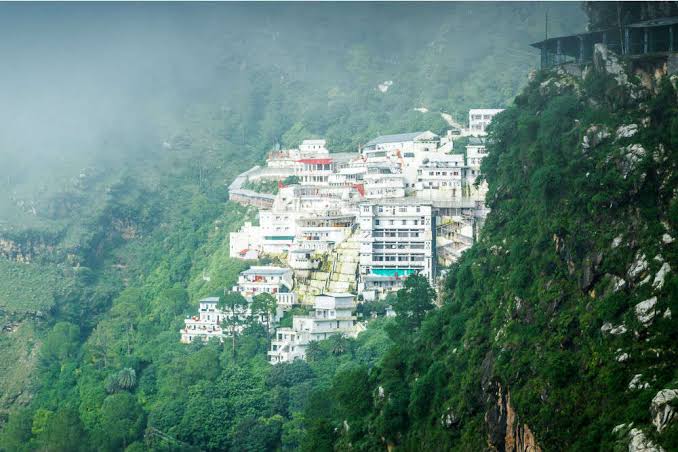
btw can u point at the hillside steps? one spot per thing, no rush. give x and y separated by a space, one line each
337 273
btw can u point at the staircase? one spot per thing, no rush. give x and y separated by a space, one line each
337 272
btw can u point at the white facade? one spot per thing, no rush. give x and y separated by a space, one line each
333 314
303 259
480 118
445 174
315 171
246 243
476 151
264 279
277 230
313 147
397 239
380 185
206 325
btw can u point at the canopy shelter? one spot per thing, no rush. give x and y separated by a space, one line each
651 36
639 39
576 48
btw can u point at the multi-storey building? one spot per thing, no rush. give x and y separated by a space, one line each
445 173
264 279
480 118
380 184
206 325
475 153
332 314
245 243
396 239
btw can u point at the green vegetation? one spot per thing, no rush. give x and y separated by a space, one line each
126 232
525 308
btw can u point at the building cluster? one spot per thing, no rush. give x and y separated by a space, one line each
208 324
332 314
403 204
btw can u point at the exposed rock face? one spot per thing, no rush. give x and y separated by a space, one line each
638 442
638 267
606 61
661 410
632 154
505 431
658 282
637 383
594 136
627 131
645 311
590 270
614 330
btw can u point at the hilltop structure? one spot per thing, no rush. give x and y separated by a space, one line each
332 314
397 239
307 223
652 42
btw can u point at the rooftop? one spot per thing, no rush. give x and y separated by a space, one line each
399 137
407 201
659 22
256 270
336 294
210 300
476 141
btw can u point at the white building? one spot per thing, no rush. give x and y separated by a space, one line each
303 259
206 325
264 279
322 232
442 175
476 151
289 158
480 118
315 171
313 147
383 184
397 238
402 143
277 230
245 243
332 314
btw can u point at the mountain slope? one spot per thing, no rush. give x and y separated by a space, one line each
559 325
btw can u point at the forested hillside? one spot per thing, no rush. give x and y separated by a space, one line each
558 329
120 128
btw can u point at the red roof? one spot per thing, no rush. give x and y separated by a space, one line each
316 161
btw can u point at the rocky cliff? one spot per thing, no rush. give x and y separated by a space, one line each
558 330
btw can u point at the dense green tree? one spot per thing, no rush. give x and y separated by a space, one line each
413 302
263 308
61 343
234 307
122 421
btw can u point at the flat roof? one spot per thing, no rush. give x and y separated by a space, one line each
486 110
210 300
336 294
397 138
406 201
540 44
659 22
265 271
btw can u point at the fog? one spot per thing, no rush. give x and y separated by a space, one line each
97 82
